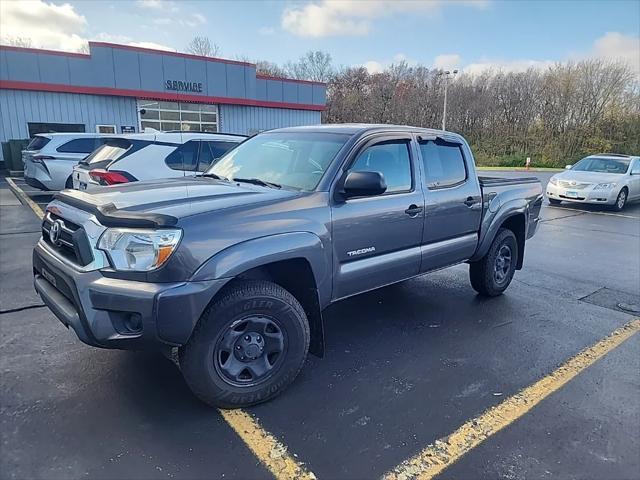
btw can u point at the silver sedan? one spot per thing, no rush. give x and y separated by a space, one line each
606 179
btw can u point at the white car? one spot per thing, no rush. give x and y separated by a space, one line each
49 158
605 179
169 154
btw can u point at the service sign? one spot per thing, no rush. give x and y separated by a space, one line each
180 86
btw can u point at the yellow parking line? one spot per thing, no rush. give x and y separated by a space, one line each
443 453
271 453
24 198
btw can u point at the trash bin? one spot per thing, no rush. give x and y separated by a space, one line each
14 165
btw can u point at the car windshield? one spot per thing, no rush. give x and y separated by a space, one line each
295 160
602 165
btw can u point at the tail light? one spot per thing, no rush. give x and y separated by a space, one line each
104 177
40 158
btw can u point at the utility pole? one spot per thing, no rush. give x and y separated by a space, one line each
447 74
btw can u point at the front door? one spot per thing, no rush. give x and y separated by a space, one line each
376 239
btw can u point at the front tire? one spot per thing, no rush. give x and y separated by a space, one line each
248 346
492 274
621 200
69 182
553 201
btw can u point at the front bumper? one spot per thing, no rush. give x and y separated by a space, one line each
586 195
114 313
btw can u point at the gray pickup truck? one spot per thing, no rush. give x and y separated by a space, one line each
235 267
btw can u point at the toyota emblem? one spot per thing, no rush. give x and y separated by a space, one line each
54 232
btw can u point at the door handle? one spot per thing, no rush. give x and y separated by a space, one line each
471 202
413 210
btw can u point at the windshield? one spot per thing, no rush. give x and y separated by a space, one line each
292 159
602 165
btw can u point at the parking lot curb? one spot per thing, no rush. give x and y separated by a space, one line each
24 198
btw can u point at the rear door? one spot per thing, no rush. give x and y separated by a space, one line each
376 239
453 203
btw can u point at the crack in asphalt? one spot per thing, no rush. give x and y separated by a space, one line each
20 309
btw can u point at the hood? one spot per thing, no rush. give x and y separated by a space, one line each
589 177
180 197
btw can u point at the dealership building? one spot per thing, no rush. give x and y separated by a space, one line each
124 89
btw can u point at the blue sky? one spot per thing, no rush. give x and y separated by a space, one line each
466 34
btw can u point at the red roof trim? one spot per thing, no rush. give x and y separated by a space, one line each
169 52
43 51
56 87
294 80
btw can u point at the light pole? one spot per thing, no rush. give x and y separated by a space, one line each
446 86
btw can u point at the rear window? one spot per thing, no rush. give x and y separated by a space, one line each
112 150
38 143
443 164
79 145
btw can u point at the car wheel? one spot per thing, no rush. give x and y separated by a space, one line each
553 201
492 274
248 346
69 182
621 200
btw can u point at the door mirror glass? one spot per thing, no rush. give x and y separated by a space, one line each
364 184
568 167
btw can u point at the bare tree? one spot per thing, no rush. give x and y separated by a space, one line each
203 46
314 65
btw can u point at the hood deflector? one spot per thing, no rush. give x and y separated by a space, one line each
110 216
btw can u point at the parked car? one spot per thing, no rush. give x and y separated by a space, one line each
236 266
49 158
165 155
605 179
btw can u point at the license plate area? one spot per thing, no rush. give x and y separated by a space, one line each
571 194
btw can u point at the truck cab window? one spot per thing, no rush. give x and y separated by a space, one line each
391 158
443 164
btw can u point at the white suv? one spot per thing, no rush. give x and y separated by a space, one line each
49 158
130 158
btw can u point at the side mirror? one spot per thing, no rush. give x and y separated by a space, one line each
568 167
363 184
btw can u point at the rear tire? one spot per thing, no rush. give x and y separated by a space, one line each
492 274
621 200
248 346
553 201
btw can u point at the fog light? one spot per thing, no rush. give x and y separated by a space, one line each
133 322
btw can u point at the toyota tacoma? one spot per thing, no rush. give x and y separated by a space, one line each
235 267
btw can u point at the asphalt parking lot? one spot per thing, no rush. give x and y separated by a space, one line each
405 366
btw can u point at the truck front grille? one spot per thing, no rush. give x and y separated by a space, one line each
67 239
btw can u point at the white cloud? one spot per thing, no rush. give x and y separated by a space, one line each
506 66
160 5
352 17
374 66
152 45
617 46
47 25
447 61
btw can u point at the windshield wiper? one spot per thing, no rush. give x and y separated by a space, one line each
257 181
214 175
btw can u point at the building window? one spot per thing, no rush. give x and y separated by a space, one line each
178 116
35 128
105 129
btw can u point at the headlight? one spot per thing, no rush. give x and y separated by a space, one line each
134 249
604 186
553 181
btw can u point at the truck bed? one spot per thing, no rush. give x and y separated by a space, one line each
500 181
